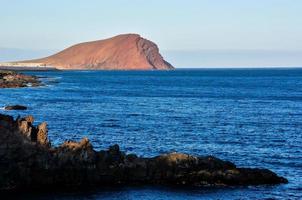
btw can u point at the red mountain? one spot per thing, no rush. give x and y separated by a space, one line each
122 52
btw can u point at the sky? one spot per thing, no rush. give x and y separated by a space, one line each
189 32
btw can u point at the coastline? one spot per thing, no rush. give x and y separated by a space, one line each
28 153
10 68
16 66
50 68
12 79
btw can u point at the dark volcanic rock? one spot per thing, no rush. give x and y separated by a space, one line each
11 79
27 160
15 107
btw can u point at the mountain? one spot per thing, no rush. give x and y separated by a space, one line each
122 52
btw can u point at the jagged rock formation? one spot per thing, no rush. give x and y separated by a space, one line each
11 79
122 52
27 160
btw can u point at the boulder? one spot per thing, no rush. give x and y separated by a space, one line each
42 134
15 107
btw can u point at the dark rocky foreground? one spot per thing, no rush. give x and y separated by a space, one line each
12 79
27 160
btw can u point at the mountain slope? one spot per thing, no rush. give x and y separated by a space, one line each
122 52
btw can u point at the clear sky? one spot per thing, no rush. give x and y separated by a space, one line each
183 25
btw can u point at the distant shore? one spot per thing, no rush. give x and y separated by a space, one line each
27 68
19 66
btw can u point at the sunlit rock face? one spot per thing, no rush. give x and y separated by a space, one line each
122 52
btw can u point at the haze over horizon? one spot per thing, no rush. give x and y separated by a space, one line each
193 33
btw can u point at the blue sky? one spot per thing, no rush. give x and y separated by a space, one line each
175 25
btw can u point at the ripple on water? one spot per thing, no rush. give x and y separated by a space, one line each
250 117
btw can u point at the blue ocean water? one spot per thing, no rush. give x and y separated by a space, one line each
252 117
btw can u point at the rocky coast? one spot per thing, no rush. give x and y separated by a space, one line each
29 161
12 79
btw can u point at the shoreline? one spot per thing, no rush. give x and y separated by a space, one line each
12 79
31 162
31 68
24 68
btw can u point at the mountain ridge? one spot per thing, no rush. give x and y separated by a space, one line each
121 52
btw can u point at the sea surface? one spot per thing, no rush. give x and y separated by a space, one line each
252 117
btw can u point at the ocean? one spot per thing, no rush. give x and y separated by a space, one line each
252 117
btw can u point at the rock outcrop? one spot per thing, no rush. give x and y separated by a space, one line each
12 79
15 107
122 52
27 160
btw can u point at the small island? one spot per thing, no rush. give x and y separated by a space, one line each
121 52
